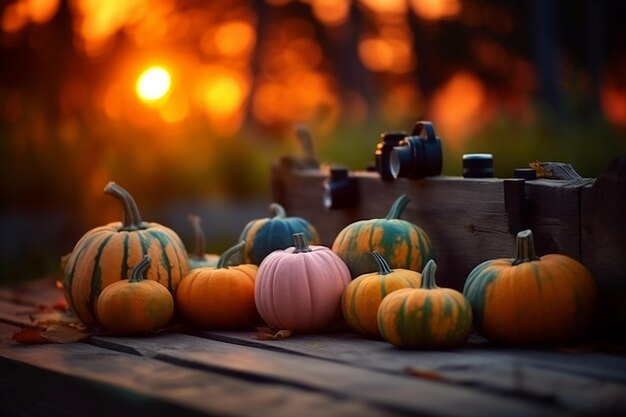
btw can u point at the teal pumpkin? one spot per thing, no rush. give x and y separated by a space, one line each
402 243
263 236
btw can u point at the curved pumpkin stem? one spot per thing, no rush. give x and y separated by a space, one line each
138 272
300 243
383 266
198 250
278 211
131 219
228 253
398 207
525 248
428 276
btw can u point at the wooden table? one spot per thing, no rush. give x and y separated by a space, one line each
234 373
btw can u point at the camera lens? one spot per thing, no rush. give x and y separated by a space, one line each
383 153
400 161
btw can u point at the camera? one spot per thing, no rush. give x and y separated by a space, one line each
418 155
389 140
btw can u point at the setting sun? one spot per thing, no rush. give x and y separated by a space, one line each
153 84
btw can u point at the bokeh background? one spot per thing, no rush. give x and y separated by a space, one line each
527 80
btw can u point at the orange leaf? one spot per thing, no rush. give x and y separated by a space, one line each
29 336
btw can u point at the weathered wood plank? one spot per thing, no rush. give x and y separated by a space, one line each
584 382
603 231
80 379
465 218
393 392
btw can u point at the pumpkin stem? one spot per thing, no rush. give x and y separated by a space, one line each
300 243
525 248
131 219
383 266
428 275
140 268
228 253
198 250
398 207
277 210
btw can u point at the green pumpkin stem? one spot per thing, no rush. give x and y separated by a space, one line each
428 275
131 219
278 211
198 250
398 207
525 248
138 272
383 266
228 253
300 243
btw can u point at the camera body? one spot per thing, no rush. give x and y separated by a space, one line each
415 156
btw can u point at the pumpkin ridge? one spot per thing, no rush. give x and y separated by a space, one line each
165 260
355 317
124 267
96 276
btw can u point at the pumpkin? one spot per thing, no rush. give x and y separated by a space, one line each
402 243
531 299
362 296
105 255
263 236
220 297
197 257
136 305
428 317
299 288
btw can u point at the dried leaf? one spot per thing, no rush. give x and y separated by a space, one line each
56 333
423 373
268 333
29 336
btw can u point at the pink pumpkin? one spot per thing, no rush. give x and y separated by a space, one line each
300 288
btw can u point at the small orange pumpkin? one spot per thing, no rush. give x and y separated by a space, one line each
362 297
428 317
136 305
220 297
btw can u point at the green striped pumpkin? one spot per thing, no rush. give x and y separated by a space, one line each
108 254
428 317
531 300
402 243
264 236
362 296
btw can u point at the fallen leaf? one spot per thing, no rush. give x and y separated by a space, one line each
423 373
29 336
268 333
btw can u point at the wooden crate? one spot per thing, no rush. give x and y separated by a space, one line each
471 220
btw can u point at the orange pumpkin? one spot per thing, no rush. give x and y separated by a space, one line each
362 297
531 299
220 297
136 305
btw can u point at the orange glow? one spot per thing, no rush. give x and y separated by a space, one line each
20 13
223 95
235 38
458 107
153 85
331 12
436 9
97 21
176 109
387 54
613 101
386 6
